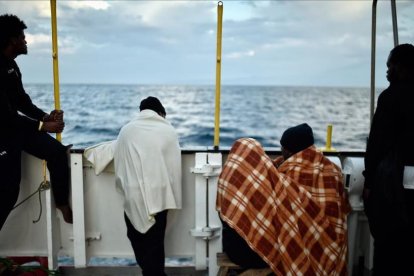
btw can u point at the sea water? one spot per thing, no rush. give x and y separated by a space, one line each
95 113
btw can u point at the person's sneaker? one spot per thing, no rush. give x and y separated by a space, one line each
66 213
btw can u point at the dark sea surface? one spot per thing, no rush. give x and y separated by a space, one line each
95 113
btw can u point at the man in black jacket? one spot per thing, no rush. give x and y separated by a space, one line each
388 190
25 127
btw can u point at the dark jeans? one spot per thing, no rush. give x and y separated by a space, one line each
149 247
43 146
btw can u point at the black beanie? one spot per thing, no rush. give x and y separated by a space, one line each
153 104
297 138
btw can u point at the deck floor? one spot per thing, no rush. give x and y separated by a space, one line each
127 271
136 271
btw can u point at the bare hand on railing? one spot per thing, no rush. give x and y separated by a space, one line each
55 115
53 126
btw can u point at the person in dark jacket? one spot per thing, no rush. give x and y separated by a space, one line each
389 190
25 127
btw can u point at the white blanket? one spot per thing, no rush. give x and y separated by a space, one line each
100 155
147 161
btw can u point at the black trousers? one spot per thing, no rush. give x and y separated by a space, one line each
41 145
394 255
149 247
393 239
238 251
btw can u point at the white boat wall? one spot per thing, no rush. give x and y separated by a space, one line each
193 233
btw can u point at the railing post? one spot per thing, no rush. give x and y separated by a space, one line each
214 245
78 205
207 230
52 230
200 214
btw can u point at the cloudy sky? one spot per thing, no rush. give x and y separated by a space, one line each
318 43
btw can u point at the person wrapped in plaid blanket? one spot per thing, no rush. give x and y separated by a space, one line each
291 211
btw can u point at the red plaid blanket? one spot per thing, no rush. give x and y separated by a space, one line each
294 217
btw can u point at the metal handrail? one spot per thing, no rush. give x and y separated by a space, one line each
394 22
373 48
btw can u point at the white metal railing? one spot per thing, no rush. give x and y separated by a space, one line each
99 229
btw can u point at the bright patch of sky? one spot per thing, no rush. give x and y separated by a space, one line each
318 43
95 5
242 10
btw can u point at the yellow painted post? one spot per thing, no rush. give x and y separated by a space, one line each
329 137
328 145
55 60
218 75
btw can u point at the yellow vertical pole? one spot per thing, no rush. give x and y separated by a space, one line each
55 60
218 75
329 137
328 145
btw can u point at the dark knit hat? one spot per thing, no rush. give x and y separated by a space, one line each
153 104
297 138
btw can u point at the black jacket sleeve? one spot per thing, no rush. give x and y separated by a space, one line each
14 99
24 103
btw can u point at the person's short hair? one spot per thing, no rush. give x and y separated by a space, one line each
10 26
154 104
297 138
403 54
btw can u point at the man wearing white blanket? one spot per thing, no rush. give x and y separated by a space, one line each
147 159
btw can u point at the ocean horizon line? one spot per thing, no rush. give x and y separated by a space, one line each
207 85
95 113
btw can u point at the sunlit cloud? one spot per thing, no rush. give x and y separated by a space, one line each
80 5
167 14
37 8
42 43
35 40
